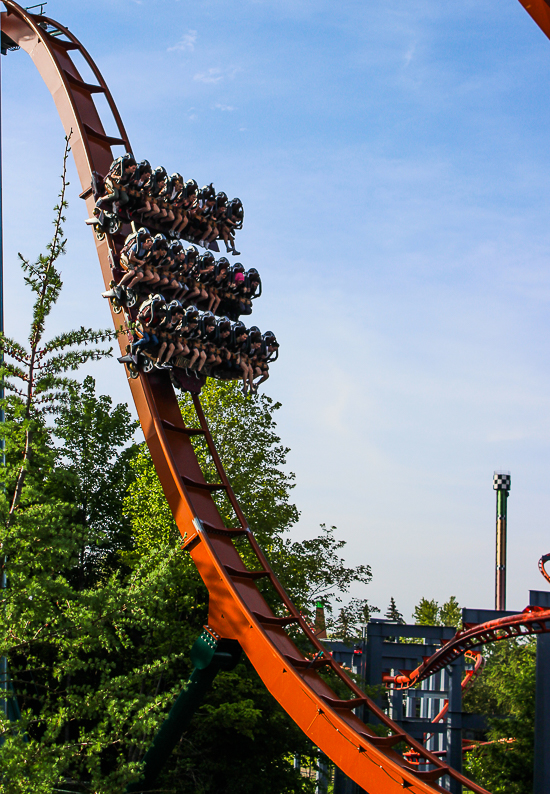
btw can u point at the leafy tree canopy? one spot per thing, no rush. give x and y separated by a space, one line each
245 435
506 692
429 613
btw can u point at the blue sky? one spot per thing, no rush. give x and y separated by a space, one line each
393 162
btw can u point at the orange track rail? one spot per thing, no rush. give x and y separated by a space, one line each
237 607
540 11
478 660
533 620
542 562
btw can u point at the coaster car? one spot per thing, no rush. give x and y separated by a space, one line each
104 222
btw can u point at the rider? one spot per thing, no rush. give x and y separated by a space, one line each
137 187
117 182
134 256
206 200
268 352
190 332
156 191
217 284
151 315
186 201
232 219
173 317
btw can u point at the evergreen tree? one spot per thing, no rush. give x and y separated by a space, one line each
392 613
93 471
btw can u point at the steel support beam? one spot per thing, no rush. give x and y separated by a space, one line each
209 656
454 721
541 783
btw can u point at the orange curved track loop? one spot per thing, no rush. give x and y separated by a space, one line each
533 620
237 608
542 562
479 661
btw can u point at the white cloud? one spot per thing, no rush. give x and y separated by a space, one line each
219 106
211 76
186 43
410 53
215 75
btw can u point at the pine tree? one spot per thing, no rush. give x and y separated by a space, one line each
393 614
351 619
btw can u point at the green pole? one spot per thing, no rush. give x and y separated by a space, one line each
209 655
502 482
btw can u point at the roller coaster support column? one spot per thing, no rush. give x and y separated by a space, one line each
454 722
501 483
541 782
209 655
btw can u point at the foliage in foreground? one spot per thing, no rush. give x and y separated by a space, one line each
506 692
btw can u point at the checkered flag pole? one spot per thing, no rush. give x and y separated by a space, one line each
502 481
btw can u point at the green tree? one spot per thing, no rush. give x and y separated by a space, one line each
450 613
429 613
505 691
36 376
245 435
93 660
98 616
254 458
426 613
349 621
93 471
392 613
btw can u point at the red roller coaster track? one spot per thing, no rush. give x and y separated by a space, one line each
237 608
533 620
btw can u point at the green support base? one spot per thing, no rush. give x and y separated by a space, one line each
209 656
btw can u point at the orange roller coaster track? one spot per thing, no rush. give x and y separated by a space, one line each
542 562
533 620
238 610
